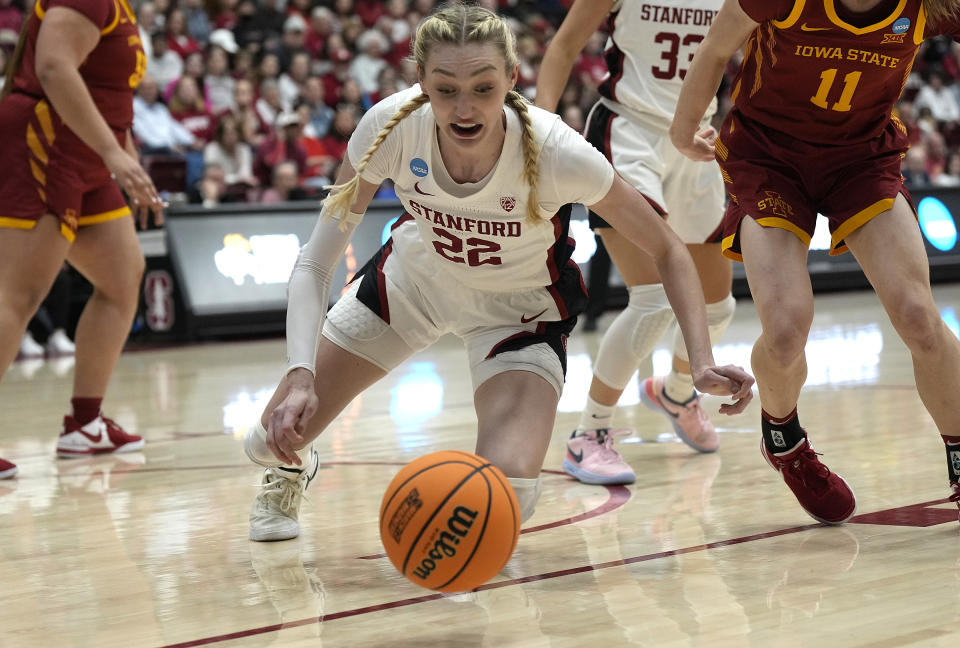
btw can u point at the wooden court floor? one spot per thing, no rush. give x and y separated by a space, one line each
151 549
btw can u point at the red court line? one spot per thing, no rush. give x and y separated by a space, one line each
206 641
618 497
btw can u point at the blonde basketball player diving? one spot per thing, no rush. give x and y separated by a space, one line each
480 252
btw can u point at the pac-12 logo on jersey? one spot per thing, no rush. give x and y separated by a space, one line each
419 168
508 203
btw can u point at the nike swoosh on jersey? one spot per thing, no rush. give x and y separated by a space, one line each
524 319
416 187
804 27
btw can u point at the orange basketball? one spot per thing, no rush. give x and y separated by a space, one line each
449 521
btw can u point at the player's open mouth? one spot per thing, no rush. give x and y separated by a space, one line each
465 129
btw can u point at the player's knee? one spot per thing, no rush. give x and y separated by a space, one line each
528 492
918 322
123 285
785 340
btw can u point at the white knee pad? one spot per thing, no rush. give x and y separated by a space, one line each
719 316
528 492
633 335
255 445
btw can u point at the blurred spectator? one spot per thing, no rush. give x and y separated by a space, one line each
282 145
153 126
400 30
299 7
336 140
351 96
950 177
226 14
11 19
293 41
940 100
388 83
320 114
284 184
187 107
165 66
3 66
291 82
217 82
146 24
252 128
211 190
178 39
408 73
319 162
230 153
369 11
915 168
321 26
340 57
243 67
368 64
269 105
198 23
269 66
195 68
573 117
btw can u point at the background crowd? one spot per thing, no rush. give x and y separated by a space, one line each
254 100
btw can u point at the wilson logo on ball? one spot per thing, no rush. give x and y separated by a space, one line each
459 524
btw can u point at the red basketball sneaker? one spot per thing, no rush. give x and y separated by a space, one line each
99 436
7 469
824 495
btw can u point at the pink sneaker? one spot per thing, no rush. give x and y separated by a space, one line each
592 459
689 420
7 469
99 436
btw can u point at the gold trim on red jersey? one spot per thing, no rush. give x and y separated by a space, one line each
794 16
921 25
831 10
113 214
856 221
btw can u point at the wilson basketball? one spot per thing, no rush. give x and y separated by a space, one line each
449 521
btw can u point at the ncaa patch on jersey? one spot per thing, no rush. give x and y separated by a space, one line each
419 167
901 26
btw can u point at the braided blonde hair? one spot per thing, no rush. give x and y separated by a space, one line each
455 24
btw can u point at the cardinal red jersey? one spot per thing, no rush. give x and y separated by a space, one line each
112 70
822 74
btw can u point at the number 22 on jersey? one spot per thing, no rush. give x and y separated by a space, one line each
827 79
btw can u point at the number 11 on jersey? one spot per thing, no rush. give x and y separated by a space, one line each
827 77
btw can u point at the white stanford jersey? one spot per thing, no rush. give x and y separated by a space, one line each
477 233
648 53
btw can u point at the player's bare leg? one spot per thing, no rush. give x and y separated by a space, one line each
516 411
890 250
776 265
29 262
109 256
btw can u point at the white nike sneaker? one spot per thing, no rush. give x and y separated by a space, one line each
276 509
100 436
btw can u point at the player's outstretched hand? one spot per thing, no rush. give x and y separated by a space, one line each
728 380
287 423
699 147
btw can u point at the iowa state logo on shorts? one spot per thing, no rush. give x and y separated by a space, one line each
508 203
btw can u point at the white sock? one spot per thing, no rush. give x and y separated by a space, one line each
596 416
528 492
678 386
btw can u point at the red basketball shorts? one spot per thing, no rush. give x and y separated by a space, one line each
780 181
46 169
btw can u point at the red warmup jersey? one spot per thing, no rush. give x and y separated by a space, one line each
111 71
821 74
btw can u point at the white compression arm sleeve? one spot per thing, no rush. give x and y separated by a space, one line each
308 292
